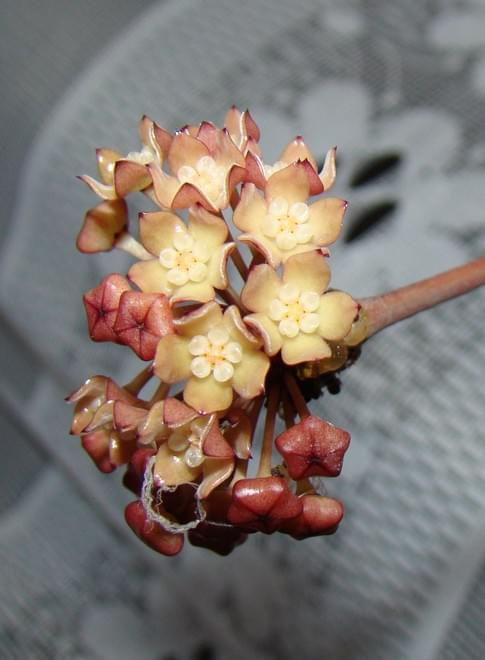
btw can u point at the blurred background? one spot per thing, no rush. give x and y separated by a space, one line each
400 89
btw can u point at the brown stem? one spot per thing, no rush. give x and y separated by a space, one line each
296 395
384 310
237 257
265 460
289 411
141 379
160 393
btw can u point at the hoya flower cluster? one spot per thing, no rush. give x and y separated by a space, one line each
219 353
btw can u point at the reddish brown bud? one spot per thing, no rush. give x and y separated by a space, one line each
166 543
263 504
141 320
218 537
313 447
96 444
320 515
133 477
101 304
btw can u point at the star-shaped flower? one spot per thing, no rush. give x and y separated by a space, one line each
294 314
203 169
281 223
295 151
121 175
189 261
216 354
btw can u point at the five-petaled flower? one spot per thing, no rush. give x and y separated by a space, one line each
189 261
203 169
293 313
281 223
216 353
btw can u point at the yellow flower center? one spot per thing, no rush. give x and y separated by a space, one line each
287 225
188 440
214 353
295 311
186 260
208 177
143 157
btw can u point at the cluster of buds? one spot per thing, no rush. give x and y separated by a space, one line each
220 353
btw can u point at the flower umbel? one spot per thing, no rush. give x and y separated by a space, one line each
221 353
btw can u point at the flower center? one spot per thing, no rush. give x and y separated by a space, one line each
143 157
295 311
207 176
186 260
214 353
188 440
287 225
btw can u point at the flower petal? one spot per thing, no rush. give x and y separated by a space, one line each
291 183
150 276
102 226
103 190
309 271
304 348
130 177
157 230
215 471
172 359
206 227
185 150
337 312
165 186
171 470
207 395
106 159
193 292
200 321
250 374
262 286
250 213
326 217
329 170
297 150
267 330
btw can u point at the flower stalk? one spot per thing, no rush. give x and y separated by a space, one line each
384 310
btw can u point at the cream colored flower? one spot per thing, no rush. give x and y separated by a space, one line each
216 354
204 169
293 314
121 175
194 451
295 151
282 223
189 261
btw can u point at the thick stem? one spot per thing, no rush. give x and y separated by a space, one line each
160 393
388 308
264 469
296 395
141 379
127 243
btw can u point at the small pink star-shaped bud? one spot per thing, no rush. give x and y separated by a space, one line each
101 305
320 515
151 533
263 504
312 448
142 319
